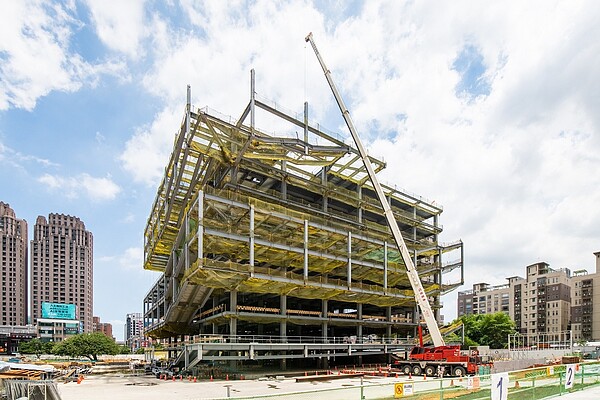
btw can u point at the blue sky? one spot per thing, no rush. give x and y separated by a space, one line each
491 111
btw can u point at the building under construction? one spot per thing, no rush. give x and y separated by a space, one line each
281 235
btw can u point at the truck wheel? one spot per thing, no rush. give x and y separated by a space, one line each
406 369
430 370
459 371
416 370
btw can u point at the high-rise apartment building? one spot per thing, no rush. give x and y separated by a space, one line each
62 266
133 326
585 317
546 301
134 331
542 300
13 267
484 299
102 327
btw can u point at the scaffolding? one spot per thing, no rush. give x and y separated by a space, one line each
246 220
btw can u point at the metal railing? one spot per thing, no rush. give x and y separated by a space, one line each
529 384
367 339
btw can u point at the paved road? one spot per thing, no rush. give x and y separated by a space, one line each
593 393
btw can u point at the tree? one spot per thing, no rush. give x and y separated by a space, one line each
495 329
453 338
488 329
88 345
36 346
124 349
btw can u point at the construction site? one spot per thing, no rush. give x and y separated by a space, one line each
272 244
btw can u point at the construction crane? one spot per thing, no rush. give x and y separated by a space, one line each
411 271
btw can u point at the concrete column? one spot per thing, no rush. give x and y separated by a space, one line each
359 328
164 295
349 268
233 306
388 315
283 323
251 244
305 250
385 267
324 305
215 328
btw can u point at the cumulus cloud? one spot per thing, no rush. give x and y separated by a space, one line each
147 151
132 258
34 53
96 189
490 110
120 25
210 58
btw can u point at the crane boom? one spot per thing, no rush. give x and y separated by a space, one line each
413 275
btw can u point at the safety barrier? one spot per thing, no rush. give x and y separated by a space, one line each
528 384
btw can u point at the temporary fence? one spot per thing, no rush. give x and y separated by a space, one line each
31 390
528 384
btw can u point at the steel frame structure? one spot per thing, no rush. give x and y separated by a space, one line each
281 231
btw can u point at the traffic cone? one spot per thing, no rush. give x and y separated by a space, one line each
305 373
424 377
195 380
242 377
517 385
211 378
410 375
173 378
227 377
451 382
396 375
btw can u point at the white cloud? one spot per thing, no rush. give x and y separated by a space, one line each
132 258
17 159
147 152
96 189
129 218
119 24
34 53
515 167
218 68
